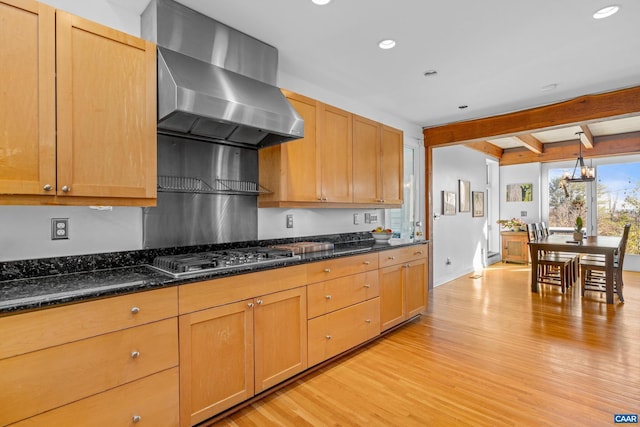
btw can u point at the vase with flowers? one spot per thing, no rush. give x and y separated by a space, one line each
514 224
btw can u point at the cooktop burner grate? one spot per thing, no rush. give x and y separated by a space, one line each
202 263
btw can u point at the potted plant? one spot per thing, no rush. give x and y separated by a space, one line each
577 232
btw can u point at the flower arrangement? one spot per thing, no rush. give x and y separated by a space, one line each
513 223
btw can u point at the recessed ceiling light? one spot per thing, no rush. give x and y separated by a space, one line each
605 12
387 44
430 73
321 2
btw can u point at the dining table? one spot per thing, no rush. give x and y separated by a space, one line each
604 245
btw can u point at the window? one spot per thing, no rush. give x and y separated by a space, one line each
403 221
566 202
618 201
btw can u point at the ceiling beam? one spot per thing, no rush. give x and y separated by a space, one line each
582 110
530 142
611 145
587 136
486 147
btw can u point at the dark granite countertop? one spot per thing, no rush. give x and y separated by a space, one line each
39 283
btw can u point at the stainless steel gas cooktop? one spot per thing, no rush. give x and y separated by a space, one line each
202 263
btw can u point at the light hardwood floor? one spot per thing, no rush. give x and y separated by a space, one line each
489 353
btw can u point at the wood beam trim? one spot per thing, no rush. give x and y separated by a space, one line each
625 102
486 147
611 145
587 137
531 143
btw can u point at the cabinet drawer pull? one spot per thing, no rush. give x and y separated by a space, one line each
259 302
418 253
66 188
368 321
136 418
327 270
135 310
367 285
47 187
328 337
328 297
250 305
367 262
392 257
135 354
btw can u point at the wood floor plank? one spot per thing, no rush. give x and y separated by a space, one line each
489 353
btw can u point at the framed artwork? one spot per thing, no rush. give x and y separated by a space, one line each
519 192
464 191
448 202
478 203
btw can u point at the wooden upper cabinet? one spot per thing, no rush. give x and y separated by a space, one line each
391 165
106 111
377 163
315 169
343 161
366 160
96 87
27 101
335 136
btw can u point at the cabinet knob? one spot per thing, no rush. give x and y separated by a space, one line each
136 418
47 187
407 265
392 257
250 305
66 188
135 310
366 285
259 302
328 297
367 262
327 270
135 354
367 321
418 253
328 337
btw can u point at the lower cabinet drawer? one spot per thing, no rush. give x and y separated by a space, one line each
325 297
150 401
42 380
333 333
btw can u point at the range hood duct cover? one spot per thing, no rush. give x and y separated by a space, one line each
215 82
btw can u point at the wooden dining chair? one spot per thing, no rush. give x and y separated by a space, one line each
592 270
575 258
553 269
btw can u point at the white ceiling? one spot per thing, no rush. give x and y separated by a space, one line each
495 56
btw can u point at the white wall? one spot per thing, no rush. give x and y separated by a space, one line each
460 238
25 230
529 173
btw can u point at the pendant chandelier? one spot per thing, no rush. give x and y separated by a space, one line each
581 172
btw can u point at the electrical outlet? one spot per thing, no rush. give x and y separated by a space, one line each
356 219
289 221
367 218
59 228
523 213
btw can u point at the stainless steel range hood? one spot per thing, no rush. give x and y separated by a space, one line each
215 82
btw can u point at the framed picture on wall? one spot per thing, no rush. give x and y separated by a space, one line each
464 191
519 192
448 203
478 203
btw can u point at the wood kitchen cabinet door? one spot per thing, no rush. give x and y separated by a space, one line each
366 161
27 104
106 85
415 287
392 296
391 166
335 152
292 170
216 360
280 330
